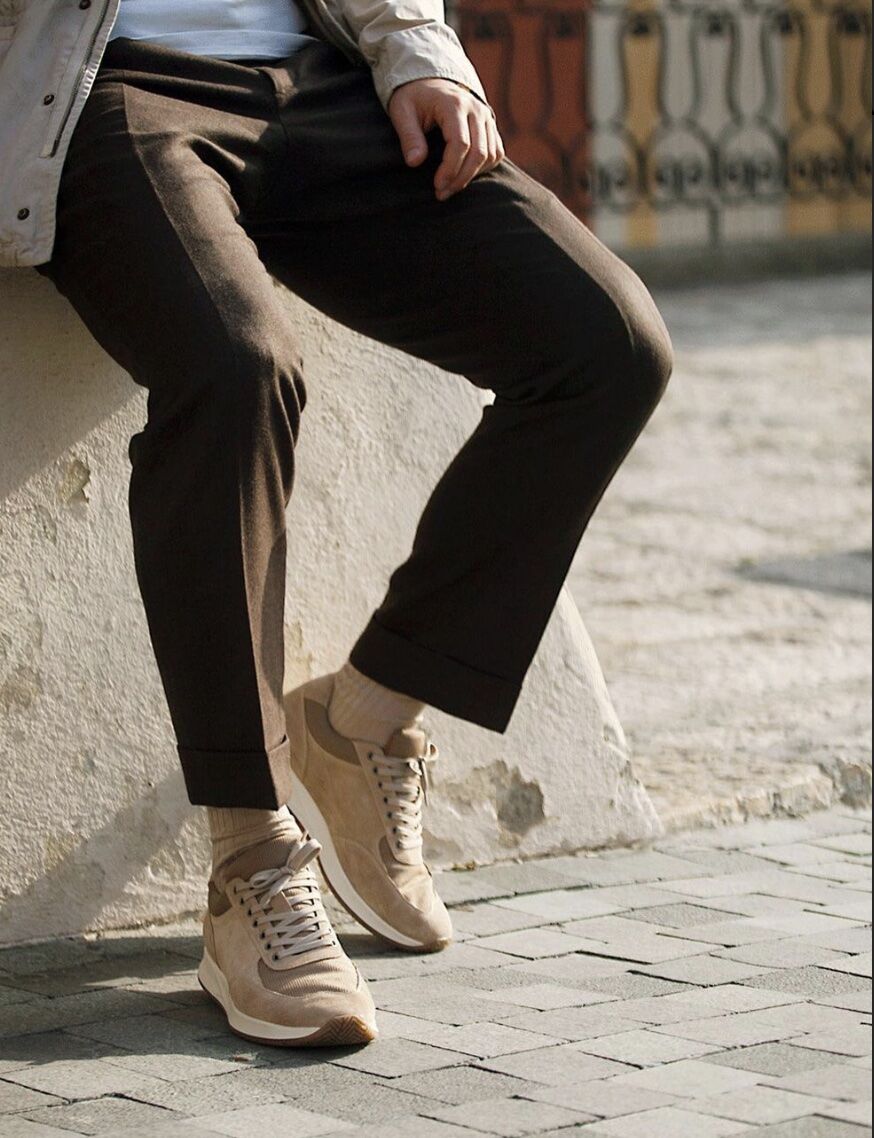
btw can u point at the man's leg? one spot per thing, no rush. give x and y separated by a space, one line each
170 153
500 284
503 285
151 254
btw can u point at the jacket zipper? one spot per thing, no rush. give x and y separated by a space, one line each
80 77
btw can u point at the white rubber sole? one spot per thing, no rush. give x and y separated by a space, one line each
312 820
337 1032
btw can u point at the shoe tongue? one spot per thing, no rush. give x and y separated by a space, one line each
266 855
408 743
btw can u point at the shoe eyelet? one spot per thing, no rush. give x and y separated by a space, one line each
275 957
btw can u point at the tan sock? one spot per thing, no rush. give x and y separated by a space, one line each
361 708
233 830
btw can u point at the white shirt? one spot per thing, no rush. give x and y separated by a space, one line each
226 29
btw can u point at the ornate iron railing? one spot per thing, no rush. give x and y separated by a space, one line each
685 106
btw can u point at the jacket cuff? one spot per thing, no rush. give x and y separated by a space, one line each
430 51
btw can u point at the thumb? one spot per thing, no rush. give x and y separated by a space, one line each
406 122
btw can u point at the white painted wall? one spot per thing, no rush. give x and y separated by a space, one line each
97 832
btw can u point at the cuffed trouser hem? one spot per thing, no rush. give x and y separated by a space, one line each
432 678
253 780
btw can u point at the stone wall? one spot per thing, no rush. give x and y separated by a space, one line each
97 830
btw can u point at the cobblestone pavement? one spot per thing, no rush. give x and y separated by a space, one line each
726 579
716 984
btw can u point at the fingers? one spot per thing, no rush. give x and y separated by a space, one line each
405 117
473 146
496 145
453 122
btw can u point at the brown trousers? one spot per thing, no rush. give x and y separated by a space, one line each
191 182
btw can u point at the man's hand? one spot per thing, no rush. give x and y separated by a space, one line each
473 144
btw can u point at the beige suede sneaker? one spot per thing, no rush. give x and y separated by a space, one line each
272 960
363 804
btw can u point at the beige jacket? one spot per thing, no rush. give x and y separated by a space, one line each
50 51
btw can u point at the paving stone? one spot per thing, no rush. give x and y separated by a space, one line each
837 1081
809 981
809 1017
666 1122
394 1057
576 971
414 1127
369 1101
724 861
850 908
633 985
628 868
560 905
796 854
850 1041
187 1061
574 1024
849 939
486 1040
645 1048
857 1112
745 930
700 1003
742 1030
688 1079
844 871
16 1099
854 965
709 970
255 1121
772 1059
457 1085
793 886
73 1080
489 920
852 1001
679 916
630 897
454 1009
109 1115
28 1050
10 996
17 1127
639 948
548 997
761 1105
211 1095
604 1098
779 954
107 972
146 1033
67 1011
533 944
555 1066
501 881
813 1127
753 905
855 844
509 1117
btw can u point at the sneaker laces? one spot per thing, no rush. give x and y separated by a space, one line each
404 784
304 925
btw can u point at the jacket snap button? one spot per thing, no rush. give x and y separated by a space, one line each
84 5
23 214
48 100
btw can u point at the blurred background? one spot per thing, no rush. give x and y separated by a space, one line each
690 127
